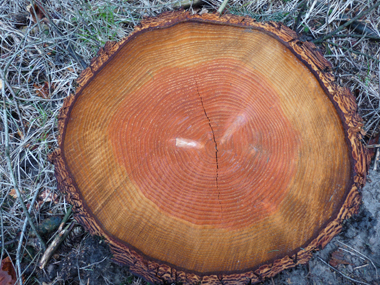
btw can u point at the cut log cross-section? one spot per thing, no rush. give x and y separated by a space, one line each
210 149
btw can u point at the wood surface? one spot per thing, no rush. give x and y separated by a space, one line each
210 149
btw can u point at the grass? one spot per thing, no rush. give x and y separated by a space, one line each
32 53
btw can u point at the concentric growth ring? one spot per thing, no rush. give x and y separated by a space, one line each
207 154
208 149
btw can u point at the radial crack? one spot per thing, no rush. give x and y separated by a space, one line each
216 147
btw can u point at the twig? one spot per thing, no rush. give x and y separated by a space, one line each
354 51
17 108
20 118
377 157
65 218
186 4
296 23
350 252
373 146
80 281
18 258
32 262
8 242
361 254
38 99
221 8
70 49
357 36
87 266
327 16
358 267
290 13
309 12
378 150
54 245
13 180
2 235
344 275
358 26
16 104
319 40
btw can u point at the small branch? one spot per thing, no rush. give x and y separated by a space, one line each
65 218
296 23
362 266
290 13
377 157
362 255
187 3
221 8
54 245
358 26
344 275
320 40
373 146
2 235
357 36
92 264
9 163
8 242
80 281
354 51
18 253
70 48
17 108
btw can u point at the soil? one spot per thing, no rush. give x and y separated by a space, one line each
354 253
353 257
89 262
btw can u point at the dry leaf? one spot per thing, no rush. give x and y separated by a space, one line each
20 134
42 90
13 193
337 258
7 272
36 11
48 196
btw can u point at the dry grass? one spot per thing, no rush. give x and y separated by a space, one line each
38 71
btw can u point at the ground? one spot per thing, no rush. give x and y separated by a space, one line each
355 253
43 49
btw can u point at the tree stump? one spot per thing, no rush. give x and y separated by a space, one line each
210 149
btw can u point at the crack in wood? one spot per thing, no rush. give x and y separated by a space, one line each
216 148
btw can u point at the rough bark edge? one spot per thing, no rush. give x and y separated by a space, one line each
157 272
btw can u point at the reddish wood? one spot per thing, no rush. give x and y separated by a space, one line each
210 149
